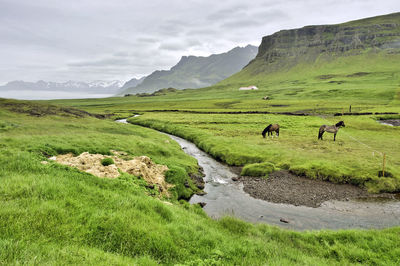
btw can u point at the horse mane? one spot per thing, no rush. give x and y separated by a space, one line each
339 124
266 130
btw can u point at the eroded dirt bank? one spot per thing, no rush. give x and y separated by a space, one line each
284 187
141 166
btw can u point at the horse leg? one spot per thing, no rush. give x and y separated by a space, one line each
320 135
277 133
334 137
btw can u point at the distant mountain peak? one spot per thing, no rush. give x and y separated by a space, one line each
196 71
97 86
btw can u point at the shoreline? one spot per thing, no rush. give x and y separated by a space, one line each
285 187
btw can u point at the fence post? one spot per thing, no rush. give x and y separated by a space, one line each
383 165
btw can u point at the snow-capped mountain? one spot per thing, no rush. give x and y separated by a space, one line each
97 86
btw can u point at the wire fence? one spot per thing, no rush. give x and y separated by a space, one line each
385 160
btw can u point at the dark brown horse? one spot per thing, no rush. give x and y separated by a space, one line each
270 129
331 129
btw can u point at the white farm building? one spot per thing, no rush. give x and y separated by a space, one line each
250 88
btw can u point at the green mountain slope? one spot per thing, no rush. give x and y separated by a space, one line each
358 59
196 72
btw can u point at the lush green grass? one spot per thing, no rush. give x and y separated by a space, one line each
356 156
54 214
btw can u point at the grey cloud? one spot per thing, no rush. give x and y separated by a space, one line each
242 23
174 46
102 62
119 39
230 12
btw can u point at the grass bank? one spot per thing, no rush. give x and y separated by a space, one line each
54 214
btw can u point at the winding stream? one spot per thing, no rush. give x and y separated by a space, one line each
390 122
226 197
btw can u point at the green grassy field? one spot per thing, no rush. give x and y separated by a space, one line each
54 214
369 82
356 156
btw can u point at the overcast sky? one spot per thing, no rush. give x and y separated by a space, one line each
59 40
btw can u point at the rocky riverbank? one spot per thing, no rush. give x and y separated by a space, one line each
284 187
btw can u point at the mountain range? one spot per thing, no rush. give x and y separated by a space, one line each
195 71
98 86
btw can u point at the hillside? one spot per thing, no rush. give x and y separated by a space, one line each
197 71
334 54
132 83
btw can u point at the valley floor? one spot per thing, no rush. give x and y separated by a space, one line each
54 214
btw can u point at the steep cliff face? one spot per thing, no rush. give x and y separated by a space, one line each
289 47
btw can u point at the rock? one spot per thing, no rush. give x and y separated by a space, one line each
202 204
150 186
186 184
201 193
200 186
235 178
283 220
44 162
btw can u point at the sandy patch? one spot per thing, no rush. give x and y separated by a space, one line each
141 166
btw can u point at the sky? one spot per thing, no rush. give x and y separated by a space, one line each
86 40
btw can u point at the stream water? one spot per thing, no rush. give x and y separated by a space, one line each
390 122
226 197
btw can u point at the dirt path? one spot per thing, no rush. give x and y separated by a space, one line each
284 187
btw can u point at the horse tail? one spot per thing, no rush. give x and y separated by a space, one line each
266 130
321 132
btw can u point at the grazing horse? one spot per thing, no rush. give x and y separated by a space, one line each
331 129
270 129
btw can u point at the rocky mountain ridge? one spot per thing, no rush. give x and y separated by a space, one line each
197 71
98 86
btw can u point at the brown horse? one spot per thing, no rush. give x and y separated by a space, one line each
331 129
270 129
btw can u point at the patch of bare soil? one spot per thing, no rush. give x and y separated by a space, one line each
141 166
284 187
